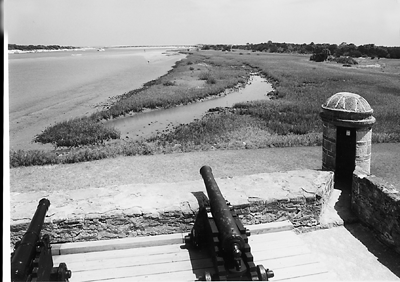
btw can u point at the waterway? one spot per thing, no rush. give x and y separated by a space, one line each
146 124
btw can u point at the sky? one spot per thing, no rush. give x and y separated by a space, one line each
170 22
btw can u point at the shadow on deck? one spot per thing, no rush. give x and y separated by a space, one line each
384 254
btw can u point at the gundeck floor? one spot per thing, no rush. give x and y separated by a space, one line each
165 257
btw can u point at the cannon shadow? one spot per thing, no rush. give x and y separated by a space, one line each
200 259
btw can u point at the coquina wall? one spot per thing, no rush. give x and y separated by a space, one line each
377 204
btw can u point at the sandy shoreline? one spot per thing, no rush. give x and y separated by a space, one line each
26 123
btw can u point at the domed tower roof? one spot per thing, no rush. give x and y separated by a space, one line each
346 101
348 110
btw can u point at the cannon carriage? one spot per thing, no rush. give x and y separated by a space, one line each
218 229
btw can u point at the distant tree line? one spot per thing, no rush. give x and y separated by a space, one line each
38 47
344 49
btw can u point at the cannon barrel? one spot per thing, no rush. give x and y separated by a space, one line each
230 237
25 252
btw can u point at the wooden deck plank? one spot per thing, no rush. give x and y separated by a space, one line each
260 255
117 244
299 271
105 262
142 270
326 276
123 253
176 276
120 258
263 228
278 236
288 261
257 243
263 241
159 240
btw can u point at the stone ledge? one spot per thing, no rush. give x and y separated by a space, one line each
164 208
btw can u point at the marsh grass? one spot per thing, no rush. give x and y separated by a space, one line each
77 132
306 85
75 155
233 130
292 117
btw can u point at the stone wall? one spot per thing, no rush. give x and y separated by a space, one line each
363 149
377 204
149 209
302 212
329 146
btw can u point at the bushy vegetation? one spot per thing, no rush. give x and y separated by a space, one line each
76 155
38 47
343 49
77 132
345 60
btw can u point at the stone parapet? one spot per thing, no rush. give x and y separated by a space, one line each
164 208
377 204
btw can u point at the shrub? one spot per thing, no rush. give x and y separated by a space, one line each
211 80
204 75
77 132
169 83
32 157
345 60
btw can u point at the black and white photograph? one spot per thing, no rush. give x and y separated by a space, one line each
201 140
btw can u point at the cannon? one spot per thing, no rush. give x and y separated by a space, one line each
218 229
31 259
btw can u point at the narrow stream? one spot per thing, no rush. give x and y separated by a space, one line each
146 124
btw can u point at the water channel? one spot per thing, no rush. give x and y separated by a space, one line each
147 124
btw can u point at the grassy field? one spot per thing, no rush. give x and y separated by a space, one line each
290 118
